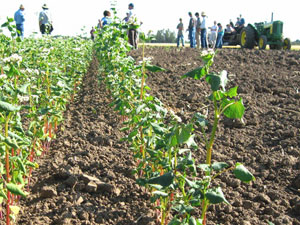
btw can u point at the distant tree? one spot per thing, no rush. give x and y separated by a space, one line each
165 36
297 42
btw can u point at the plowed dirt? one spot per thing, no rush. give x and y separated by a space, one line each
86 177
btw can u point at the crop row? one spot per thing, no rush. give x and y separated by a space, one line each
163 146
38 78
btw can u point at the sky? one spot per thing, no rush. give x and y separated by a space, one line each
70 16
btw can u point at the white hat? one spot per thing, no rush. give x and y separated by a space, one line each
45 6
203 14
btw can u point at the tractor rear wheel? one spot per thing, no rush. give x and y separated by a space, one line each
262 42
247 37
287 44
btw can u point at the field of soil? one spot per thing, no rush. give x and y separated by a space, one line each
86 177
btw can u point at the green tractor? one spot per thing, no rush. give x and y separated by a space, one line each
263 34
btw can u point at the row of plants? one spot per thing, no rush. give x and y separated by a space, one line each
163 146
39 76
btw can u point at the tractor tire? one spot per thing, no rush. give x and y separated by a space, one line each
286 44
247 39
262 42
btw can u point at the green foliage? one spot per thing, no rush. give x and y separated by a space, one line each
164 36
38 78
161 144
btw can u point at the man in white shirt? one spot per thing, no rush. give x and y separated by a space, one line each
203 31
134 24
45 20
213 34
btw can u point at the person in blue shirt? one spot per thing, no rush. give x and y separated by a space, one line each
242 22
19 19
106 20
219 43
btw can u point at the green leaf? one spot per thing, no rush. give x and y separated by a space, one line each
190 183
217 80
217 166
5 24
158 129
270 223
204 167
5 106
160 193
243 173
12 143
184 134
183 208
156 186
195 202
124 129
132 134
216 196
23 88
183 150
32 164
2 194
175 221
200 120
196 73
21 165
15 189
14 209
154 68
235 110
164 180
173 140
194 221
139 109
232 92
191 142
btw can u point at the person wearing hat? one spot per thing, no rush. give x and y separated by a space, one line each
203 31
192 30
19 19
45 20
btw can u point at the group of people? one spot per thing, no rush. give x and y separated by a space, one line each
198 31
130 19
45 21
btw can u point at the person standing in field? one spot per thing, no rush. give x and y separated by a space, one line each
180 33
92 32
192 29
19 19
203 31
220 36
45 20
213 34
106 20
133 25
198 29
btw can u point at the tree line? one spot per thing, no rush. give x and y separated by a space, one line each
164 36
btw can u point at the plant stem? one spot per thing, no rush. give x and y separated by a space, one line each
213 134
204 209
7 170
